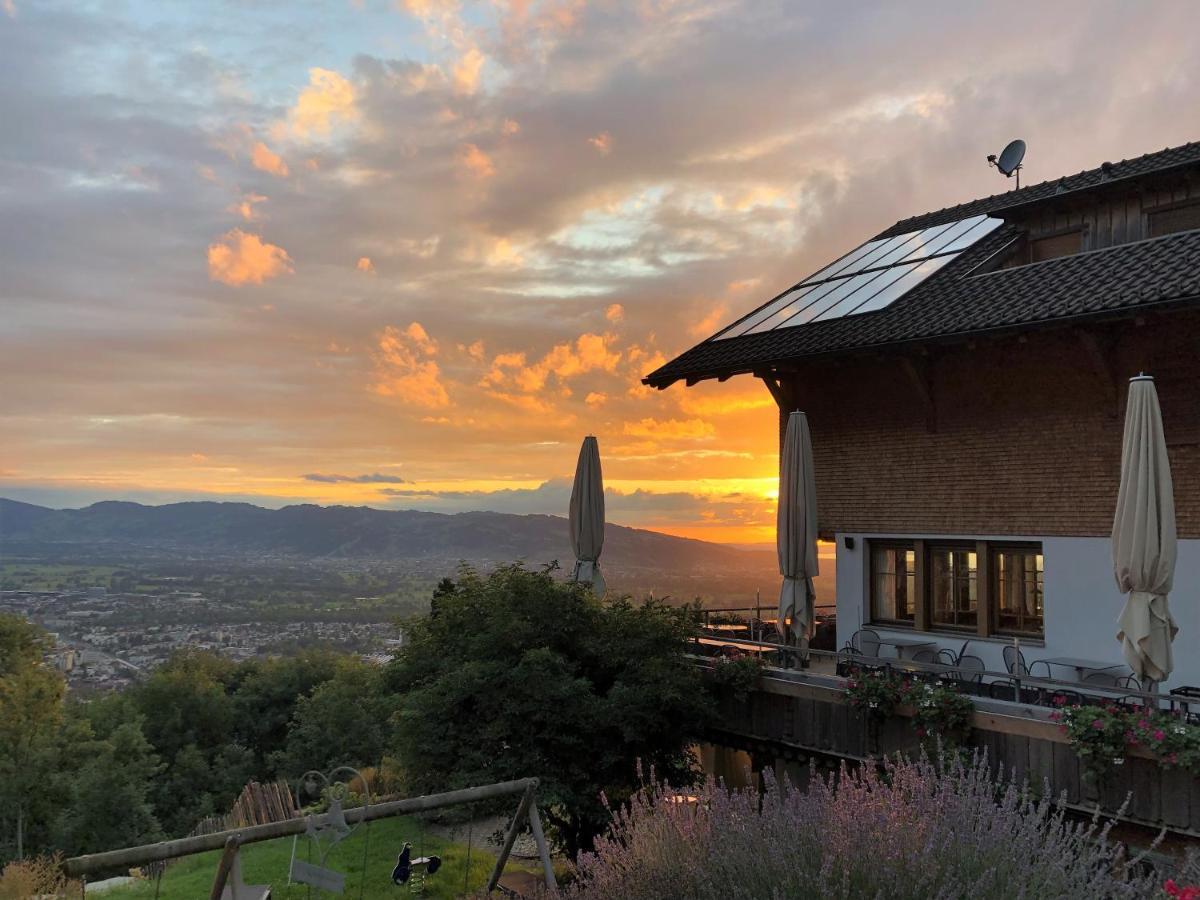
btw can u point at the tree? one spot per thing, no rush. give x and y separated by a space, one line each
346 721
30 715
109 771
520 675
21 643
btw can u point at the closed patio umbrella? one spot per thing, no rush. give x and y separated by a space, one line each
1143 538
587 516
796 530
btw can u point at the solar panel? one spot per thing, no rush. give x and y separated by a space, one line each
868 278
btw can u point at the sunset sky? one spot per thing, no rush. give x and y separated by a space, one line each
407 254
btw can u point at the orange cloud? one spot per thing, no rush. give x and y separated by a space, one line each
602 142
466 70
596 399
474 350
510 127
477 162
671 429
364 264
265 160
615 313
328 99
405 367
705 326
242 258
245 206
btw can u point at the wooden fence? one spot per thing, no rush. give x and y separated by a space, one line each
790 717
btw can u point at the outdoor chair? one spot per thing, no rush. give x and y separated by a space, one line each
962 651
971 664
1014 661
864 642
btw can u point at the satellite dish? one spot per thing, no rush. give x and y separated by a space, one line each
1010 158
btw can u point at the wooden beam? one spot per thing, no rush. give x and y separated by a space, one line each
201 843
514 828
781 389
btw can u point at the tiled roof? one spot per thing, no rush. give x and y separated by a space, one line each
953 302
1163 160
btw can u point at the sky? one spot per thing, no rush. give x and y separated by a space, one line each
407 254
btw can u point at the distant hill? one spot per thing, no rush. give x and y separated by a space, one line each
354 532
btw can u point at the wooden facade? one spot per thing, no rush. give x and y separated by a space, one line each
801 719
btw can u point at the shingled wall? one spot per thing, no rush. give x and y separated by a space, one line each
1022 437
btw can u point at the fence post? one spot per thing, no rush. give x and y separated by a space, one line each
535 823
224 867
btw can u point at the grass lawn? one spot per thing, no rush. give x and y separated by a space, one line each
267 863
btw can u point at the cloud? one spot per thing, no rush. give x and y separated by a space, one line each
466 70
615 313
670 429
245 207
364 264
373 478
595 399
9 7
405 368
243 258
327 101
603 143
588 353
476 162
263 159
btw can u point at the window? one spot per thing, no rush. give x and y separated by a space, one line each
977 587
1055 246
1018 590
893 583
954 587
1178 218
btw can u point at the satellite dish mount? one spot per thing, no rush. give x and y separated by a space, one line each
1009 162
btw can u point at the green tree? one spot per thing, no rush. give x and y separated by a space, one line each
109 769
21 643
31 710
346 721
520 675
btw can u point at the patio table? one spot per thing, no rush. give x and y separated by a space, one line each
902 644
1081 665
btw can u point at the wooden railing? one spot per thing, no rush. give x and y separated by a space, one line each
794 713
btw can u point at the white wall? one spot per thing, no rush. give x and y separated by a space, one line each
1082 603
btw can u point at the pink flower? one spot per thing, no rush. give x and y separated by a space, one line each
1060 700
1159 735
1098 725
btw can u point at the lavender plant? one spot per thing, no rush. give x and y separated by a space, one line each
908 830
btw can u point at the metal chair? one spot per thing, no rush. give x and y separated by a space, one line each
1006 689
1014 662
962 651
865 642
1101 679
947 658
968 664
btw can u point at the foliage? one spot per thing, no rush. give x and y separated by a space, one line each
517 674
21 644
39 876
1103 735
874 691
941 715
911 831
345 721
738 674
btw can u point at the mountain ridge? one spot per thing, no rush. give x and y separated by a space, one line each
351 532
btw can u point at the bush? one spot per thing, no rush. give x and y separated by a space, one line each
904 831
37 877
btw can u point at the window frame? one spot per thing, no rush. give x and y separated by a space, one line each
953 546
994 549
915 601
987 594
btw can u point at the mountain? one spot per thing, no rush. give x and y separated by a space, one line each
352 532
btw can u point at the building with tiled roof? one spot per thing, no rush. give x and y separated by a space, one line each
964 374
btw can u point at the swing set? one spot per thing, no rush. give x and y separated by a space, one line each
328 828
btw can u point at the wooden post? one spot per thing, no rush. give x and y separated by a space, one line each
511 837
224 867
535 823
